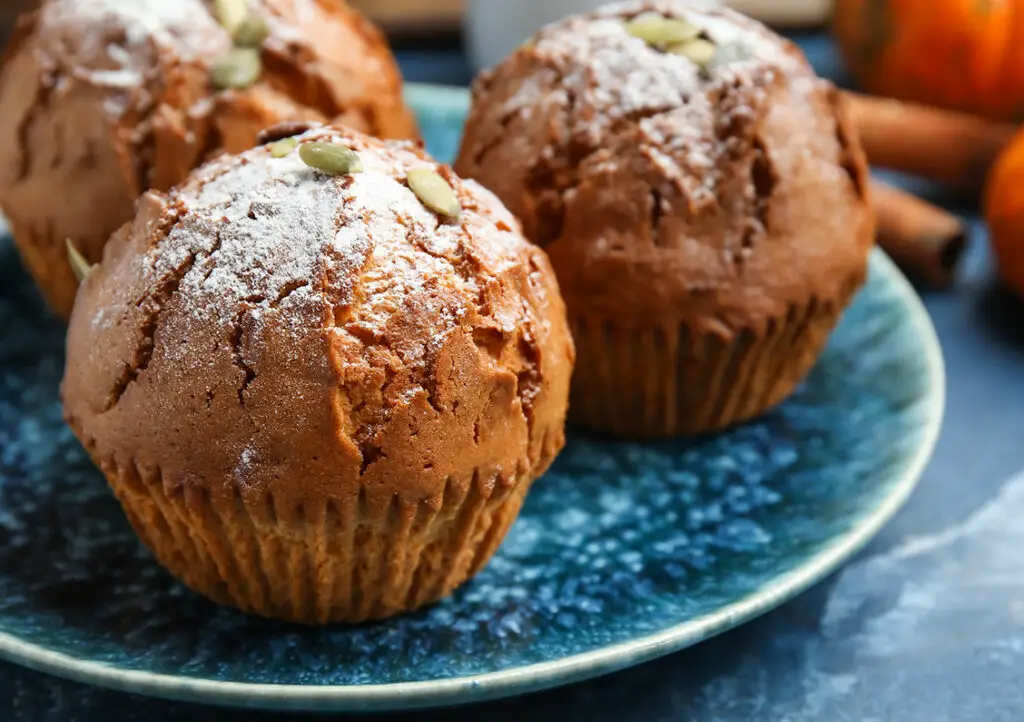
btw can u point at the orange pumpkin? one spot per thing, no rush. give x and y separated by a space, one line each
1004 211
961 54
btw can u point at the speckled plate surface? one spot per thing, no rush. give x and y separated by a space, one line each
624 551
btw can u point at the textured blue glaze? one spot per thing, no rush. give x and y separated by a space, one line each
620 540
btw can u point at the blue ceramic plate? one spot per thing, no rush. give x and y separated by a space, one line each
624 551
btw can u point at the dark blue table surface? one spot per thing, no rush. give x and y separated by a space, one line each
926 625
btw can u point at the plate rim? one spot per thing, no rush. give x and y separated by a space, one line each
547 674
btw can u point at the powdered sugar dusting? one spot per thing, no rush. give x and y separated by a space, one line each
634 160
118 44
181 23
721 25
292 323
278 242
613 77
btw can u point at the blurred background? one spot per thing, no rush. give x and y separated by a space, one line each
425 16
412 19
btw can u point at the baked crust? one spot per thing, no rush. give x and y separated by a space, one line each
104 99
265 329
715 198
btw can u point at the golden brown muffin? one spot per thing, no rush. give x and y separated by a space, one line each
101 100
701 195
317 399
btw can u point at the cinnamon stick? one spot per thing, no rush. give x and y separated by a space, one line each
924 240
952 148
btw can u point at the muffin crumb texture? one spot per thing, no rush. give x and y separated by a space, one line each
319 373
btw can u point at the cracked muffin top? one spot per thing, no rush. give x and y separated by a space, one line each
270 327
105 99
677 161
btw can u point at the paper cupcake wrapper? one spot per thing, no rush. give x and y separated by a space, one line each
323 564
670 380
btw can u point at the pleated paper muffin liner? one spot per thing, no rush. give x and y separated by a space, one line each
319 564
670 380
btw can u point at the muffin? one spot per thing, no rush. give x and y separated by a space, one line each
320 396
101 100
702 197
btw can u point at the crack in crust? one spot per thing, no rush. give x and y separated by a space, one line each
209 263
556 172
657 212
284 130
287 290
368 417
236 339
155 300
53 74
284 73
152 305
763 178
341 298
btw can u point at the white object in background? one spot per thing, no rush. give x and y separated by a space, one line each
494 28
785 12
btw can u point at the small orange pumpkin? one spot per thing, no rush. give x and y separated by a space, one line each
960 54
1004 211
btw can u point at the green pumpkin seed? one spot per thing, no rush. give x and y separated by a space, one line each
230 13
237 70
699 52
330 158
283 147
661 32
79 266
251 32
434 192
